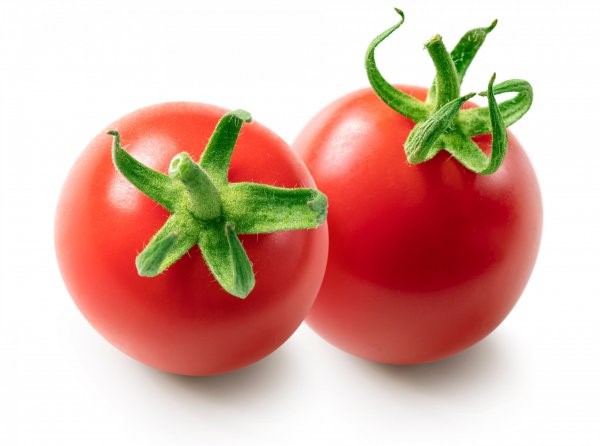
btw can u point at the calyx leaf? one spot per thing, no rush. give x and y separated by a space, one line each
440 122
208 211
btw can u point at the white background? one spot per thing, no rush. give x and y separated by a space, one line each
69 68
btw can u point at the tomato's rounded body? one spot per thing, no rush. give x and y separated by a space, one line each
424 260
182 321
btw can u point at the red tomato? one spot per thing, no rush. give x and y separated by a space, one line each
182 321
424 260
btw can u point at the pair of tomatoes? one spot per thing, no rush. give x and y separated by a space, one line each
415 263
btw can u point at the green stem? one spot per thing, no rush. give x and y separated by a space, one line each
208 211
440 122
422 142
446 80
463 54
204 201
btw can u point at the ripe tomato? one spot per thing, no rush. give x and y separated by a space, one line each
426 259
182 321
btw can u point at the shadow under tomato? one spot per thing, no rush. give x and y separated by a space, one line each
481 366
252 383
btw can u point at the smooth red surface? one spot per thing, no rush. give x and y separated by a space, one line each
424 260
182 321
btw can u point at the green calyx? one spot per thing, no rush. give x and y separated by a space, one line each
440 121
208 211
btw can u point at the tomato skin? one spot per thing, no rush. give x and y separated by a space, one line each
182 321
424 260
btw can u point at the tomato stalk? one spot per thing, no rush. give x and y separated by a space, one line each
446 81
208 211
440 121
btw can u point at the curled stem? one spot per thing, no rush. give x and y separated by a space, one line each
440 122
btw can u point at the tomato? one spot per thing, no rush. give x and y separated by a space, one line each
425 259
182 321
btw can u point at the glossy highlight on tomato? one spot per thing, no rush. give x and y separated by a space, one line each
182 321
426 259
